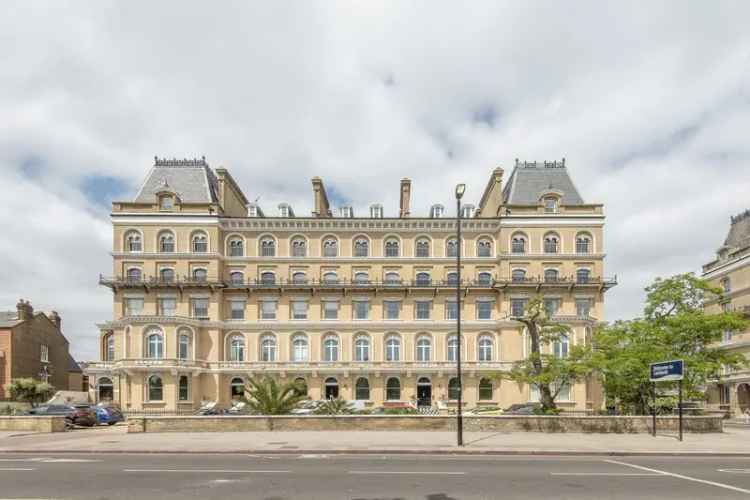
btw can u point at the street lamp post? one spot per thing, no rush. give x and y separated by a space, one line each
459 416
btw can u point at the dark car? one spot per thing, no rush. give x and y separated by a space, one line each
83 415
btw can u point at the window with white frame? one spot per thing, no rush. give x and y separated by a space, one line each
551 275
133 306
484 309
361 247
452 278
331 349
166 203
583 276
330 247
484 346
392 309
518 244
391 247
422 309
551 306
299 309
330 309
268 348
484 248
183 345
200 275
109 345
299 348
452 348
423 279
361 278
236 247
583 243
550 205
330 278
167 306
518 275
200 243
560 346
236 277
424 349
133 241
44 353
361 309
392 278
451 247
268 309
200 307
237 348
551 243
484 279
299 278
166 275
422 248
134 275
267 278
268 247
376 211
451 309
166 242
155 388
362 348
436 211
518 307
392 348
237 309
299 247
583 307
154 345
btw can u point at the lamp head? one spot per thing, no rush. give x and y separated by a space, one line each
460 191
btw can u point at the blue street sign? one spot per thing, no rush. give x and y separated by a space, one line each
667 371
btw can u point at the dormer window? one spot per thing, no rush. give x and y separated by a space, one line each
285 211
253 210
376 211
436 211
550 205
346 212
467 211
166 202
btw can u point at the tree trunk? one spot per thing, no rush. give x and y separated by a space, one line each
545 394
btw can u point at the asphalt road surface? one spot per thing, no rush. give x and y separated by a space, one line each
367 477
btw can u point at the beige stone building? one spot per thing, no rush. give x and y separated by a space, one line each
730 271
210 290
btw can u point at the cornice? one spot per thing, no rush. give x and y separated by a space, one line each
727 267
355 225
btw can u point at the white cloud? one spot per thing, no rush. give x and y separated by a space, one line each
650 108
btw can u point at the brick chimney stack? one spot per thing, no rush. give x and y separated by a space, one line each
405 204
322 207
56 319
24 310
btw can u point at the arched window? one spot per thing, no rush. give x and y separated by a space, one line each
560 347
166 242
518 275
451 247
422 248
392 247
109 347
362 389
393 389
166 274
518 244
550 205
551 243
183 346
133 242
183 388
330 277
299 247
300 386
106 389
237 388
236 277
484 279
299 348
361 247
393 349
551 275
267 278
267 247
392 278
452 348
583 243
134 275
200 243
423 279
155 345
485 389
330 247
331 388
453 278
485 348
362 348
361 278
166 202
331 349
236 247
268 348
453 388
484 248
424 349
200 275
299 278
583 275
155 388
237 348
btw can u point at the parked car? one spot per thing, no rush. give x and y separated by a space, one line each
82 415
521 409
108 415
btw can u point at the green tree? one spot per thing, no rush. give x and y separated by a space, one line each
29 390
674 326
548 372
268 397
335 406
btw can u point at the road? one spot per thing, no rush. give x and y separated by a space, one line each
367 477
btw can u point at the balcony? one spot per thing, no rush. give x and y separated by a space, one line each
338 284
538 282
146 364
357 366
147 283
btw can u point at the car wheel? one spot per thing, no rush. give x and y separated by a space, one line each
111 423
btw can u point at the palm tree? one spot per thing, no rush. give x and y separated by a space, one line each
336 406
267 397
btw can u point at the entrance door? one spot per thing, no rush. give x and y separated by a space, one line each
424 392
332 388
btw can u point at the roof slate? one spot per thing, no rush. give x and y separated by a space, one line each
739 231
8 319
527 183
192 181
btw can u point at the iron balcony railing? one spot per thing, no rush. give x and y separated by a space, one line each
159 281
363 284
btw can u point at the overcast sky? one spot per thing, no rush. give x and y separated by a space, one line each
649 104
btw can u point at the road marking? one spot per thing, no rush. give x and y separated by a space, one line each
14 469
623 474
49 460
734 471
406 472
680 476
224 471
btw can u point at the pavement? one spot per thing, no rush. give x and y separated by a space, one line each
368 477
733 442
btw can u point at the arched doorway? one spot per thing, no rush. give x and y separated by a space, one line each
332 388
743 396
106 389
237 388
424 392
300 386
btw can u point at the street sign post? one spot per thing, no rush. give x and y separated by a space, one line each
667 371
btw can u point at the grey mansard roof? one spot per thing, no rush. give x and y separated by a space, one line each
739 231
192 180
529 181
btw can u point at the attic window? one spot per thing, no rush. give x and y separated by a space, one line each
347 212
252 211
436 211
376 211
467 211
550 205
166 203
285 210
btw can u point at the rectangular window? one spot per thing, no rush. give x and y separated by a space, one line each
392 309
330 309
167 306
237 308
423 309
268 309
484 309
184 392
551 306
45 353
361 309
133 307
517 307
583 307
451 309
299 309
200 308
